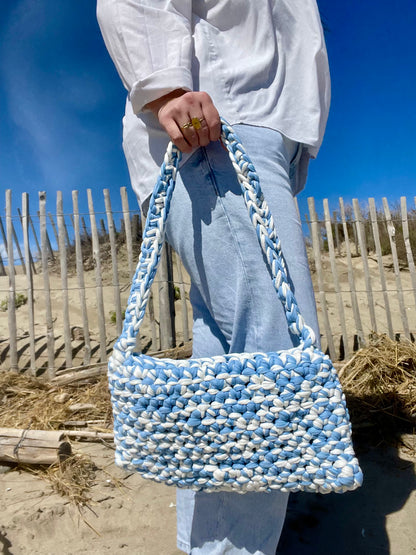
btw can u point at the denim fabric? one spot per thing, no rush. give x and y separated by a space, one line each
236 309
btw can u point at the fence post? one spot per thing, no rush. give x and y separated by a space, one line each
11 306
364 258
32 264
45 244
334 271
376 235
392 238
113 246
351 281
316 234
80 275
406 237
184 308
62 238
98 278
127 229
337 242
48 241
166 301
29 282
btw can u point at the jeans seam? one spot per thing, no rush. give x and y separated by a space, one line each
211 175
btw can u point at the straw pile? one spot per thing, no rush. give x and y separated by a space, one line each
27 402
380 385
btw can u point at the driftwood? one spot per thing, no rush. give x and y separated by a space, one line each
90 434
76 407
33 446
82 423
72 377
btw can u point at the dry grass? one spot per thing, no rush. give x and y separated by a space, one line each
27 402
71 478
380 385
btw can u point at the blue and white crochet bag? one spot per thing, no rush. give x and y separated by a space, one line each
238 422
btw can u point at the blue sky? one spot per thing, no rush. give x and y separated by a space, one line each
61 103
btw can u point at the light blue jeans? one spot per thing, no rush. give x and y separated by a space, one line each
236 309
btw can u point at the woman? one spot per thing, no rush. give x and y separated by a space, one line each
263 66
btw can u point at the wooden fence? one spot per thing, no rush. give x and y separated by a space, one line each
65 278
63 296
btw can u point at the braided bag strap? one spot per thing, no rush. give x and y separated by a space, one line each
154 236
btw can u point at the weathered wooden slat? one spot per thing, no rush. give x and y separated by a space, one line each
182 291
48 242
336 230
354 230
80 276
166 311
408 246
315 226
376 236
127 230
29 282
62 233
392 238
113 246
31 261
150 312
98 278
50 340
11 306
364 259
334 271
354 302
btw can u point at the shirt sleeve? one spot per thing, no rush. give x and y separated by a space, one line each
150 43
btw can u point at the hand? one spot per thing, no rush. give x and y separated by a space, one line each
175 110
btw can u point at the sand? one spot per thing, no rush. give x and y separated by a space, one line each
138 517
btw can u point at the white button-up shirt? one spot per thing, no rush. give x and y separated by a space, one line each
263 62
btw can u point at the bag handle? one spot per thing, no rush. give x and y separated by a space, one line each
154 236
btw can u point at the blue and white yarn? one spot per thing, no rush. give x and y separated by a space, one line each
238 422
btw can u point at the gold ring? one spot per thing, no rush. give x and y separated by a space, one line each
196 123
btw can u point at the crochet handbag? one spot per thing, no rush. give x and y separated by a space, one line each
239 422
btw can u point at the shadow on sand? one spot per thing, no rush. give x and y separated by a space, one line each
353 523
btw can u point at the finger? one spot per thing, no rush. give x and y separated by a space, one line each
188 130
202 129
213 122
176 136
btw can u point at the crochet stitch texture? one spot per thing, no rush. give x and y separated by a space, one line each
239 422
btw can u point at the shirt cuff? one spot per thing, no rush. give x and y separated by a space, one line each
158 84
